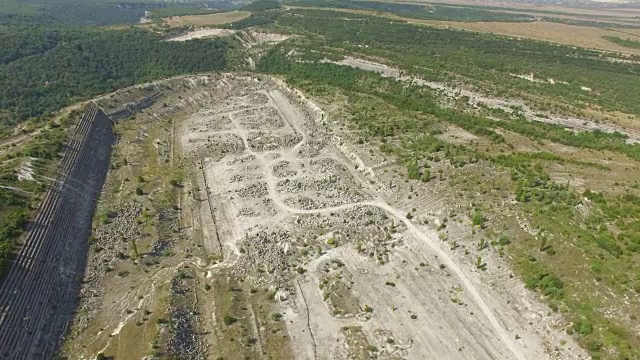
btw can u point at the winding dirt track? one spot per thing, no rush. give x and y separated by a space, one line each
266 164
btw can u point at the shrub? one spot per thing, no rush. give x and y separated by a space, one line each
504 240
229 320
549 285
583 327
426 176
477 218
412 170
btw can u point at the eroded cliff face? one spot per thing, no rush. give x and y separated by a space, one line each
39 294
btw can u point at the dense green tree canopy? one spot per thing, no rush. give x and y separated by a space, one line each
62 66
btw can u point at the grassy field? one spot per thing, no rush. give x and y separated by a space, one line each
566 34
587 37
207 20
553 9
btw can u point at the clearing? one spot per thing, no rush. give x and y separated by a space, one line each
206 20
202 34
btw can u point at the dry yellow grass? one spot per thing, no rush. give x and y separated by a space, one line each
533 8
613 20
208 19
583 36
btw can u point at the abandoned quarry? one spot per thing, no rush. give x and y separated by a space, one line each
322 180
237 220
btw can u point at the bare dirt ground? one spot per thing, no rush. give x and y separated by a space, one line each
208 19
285 241
203 33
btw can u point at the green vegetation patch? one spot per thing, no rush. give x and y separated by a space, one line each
262 5
591 23
429 12
484 60
633 44
72 65
18 196
93 12
405 120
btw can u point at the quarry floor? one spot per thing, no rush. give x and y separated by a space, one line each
265 231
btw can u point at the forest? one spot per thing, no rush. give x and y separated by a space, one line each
45 69
54 54
94 12
70 12
15 206
263 12
419 99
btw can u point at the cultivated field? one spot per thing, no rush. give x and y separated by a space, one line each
208 19
583 36
566 34
535 8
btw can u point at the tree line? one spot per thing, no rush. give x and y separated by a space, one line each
427 12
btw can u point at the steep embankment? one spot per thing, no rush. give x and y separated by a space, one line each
37 297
